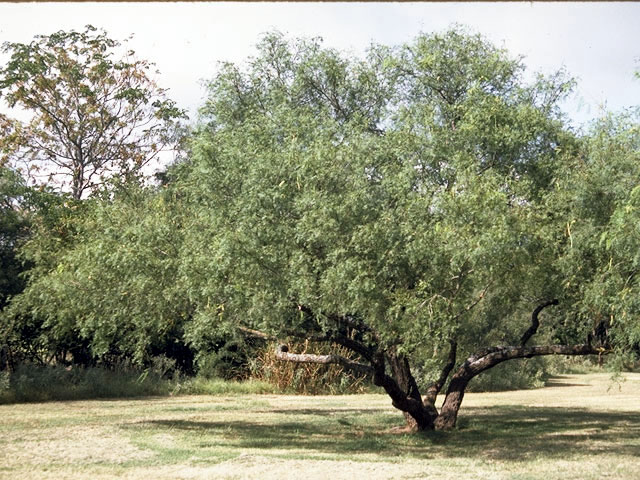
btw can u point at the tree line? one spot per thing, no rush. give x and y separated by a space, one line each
424 208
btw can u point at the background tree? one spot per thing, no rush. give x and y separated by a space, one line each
92 116
13 228
18 204
103 286
94 119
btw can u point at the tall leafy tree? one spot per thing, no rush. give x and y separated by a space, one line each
96 116
93 113
103 286
13 229
390 205
24 211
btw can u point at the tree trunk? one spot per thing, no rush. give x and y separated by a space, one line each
449 411
401 386
403 377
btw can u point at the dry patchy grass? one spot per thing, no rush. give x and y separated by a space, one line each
579 427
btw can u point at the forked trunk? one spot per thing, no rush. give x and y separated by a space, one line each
422 417
421 414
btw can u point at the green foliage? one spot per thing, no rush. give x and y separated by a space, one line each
601 237
105 279
225 358
411 209
13 228
422 195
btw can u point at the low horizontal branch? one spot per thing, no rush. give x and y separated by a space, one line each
479 363
282 353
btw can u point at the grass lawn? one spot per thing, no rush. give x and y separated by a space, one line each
579 427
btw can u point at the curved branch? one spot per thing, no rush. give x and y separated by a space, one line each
508 353
434 389
353 345
532 330
478 363
341 338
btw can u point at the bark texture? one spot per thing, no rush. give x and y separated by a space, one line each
434 389
487 359
282 353
391 370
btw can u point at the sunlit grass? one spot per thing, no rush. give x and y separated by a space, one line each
214 386
581 427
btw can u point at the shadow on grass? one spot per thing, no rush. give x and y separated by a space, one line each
512 433
559 383
336 412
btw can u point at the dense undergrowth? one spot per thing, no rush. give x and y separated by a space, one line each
40 383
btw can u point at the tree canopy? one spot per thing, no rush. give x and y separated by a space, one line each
13 227
424 207
394 205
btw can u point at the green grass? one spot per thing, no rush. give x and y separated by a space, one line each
39 383
36 383
579 427
215 386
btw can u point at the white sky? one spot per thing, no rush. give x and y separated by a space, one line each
597 42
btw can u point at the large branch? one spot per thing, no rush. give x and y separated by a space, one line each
535 323
489 358
501 354
334 337
341 338
282 353
434 389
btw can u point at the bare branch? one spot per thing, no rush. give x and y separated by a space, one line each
434 389
532 330
282 353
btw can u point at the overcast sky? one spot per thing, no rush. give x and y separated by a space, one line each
599 43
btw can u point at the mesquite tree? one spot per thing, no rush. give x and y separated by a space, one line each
397 206
93 115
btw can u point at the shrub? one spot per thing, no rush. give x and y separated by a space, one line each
38 383
308 378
